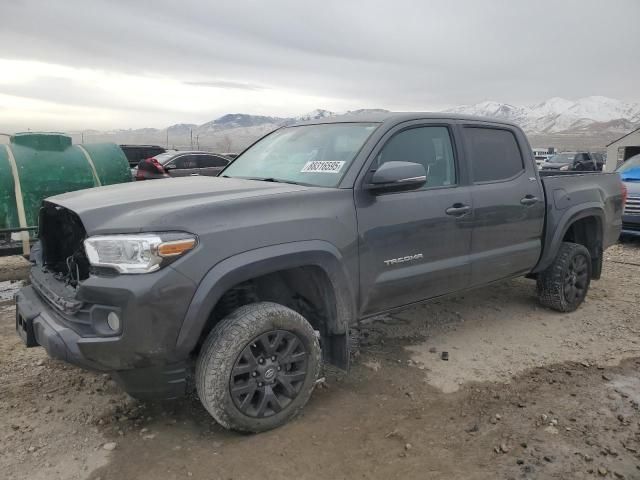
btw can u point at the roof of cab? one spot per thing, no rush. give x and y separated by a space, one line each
399 117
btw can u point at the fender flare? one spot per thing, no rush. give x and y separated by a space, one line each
261 261
571 216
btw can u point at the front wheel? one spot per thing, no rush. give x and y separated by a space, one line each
258 367
564 284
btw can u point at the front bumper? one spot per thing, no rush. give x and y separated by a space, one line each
37 326
142 357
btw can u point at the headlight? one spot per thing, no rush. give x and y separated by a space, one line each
564 167
141 253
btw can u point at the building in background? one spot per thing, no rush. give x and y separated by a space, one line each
543 154
621 149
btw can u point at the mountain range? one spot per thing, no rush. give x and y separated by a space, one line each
561 115
588 122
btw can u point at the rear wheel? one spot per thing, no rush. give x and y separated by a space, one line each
563 286
258 367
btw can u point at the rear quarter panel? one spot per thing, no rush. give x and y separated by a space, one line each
570 197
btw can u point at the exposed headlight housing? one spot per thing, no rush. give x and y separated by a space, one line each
564 167
141 253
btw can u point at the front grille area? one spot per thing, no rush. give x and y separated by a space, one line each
631 227
61 235
632 207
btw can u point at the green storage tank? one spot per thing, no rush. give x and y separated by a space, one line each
34 166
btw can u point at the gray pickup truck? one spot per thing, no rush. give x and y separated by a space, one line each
252 279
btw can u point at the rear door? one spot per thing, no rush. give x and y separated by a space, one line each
415 244
508 214
183 166
211 165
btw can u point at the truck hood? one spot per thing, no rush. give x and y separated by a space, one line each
155 205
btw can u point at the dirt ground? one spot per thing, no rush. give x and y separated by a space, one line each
526 393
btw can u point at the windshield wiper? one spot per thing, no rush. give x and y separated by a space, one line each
272 179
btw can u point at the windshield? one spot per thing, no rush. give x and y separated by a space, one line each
562 158
317 155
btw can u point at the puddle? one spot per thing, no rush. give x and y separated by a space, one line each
629 386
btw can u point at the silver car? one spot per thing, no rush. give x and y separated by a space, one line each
180 164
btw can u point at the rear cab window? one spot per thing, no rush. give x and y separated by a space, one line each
494 153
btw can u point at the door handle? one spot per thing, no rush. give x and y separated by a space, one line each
529 200
195 174
457 210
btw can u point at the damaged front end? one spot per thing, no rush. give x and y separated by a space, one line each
61 263
88 303
61 245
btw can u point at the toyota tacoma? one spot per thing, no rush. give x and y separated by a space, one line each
251 280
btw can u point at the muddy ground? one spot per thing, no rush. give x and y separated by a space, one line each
527 393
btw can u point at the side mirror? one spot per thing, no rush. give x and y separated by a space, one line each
171 166
397 177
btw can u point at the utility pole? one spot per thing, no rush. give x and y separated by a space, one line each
82 137
197 141
191 134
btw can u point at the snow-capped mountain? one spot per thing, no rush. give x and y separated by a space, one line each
589 122
237 120
319 114
316 114
558 114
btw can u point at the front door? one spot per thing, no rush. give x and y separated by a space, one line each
414 245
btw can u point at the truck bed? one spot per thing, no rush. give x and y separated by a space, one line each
576 194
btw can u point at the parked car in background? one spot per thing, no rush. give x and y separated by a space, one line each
629 173
541 155
601 160
574 161
135 153
176 163
540 159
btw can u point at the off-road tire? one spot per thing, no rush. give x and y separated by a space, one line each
551 283
225 344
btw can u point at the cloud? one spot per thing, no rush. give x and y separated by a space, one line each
285 54
225 84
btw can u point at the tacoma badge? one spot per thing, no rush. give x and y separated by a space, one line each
408 258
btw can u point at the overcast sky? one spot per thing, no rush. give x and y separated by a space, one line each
103 64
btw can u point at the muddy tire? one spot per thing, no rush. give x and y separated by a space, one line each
258 367
564 284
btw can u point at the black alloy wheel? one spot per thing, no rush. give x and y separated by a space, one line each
268 374
564 284
576 279
258 367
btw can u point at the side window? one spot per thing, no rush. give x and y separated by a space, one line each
208 161
494 154
186 161
429 146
